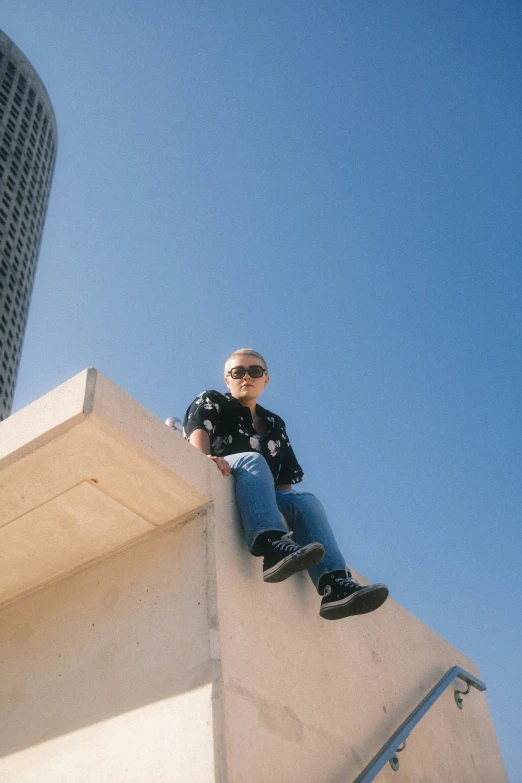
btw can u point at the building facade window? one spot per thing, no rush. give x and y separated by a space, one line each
28 142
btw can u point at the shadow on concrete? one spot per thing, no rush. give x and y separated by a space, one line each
125 633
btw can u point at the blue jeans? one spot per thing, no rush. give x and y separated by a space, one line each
261 506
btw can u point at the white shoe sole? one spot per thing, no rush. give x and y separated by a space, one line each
363 601
304 559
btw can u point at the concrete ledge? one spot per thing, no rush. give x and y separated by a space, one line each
172 659
84 471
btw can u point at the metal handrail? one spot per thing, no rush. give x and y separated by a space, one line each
389 750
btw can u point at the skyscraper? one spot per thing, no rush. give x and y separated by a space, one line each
28 141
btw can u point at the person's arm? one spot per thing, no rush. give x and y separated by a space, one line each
281 487
201 440
201 419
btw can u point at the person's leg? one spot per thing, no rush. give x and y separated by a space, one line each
264 529
255 495
307 519
342 594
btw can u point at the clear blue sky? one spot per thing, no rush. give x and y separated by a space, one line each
336 184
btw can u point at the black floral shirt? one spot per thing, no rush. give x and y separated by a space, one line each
231 430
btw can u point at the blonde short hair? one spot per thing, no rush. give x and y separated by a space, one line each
244 352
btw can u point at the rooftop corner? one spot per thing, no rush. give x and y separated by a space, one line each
84 471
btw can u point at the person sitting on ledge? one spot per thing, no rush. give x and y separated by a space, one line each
251 443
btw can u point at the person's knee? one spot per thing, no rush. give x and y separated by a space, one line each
251 461
255 456
307 500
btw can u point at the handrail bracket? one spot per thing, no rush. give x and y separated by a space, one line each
459 694
398 738
394 761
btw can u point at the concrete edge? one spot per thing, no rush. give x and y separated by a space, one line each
37 425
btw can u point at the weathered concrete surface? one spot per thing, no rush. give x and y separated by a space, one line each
84 471
321 697
165 657
106 675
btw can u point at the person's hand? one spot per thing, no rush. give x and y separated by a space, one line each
221 463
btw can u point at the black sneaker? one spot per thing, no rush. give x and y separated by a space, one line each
344 596
283 557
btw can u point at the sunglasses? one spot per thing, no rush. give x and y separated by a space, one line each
255 371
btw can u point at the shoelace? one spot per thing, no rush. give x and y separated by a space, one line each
346 582
284 544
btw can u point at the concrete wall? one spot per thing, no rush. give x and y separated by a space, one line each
313 700
107 676
171 660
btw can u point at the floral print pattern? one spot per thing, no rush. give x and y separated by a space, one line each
231 430
255 442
